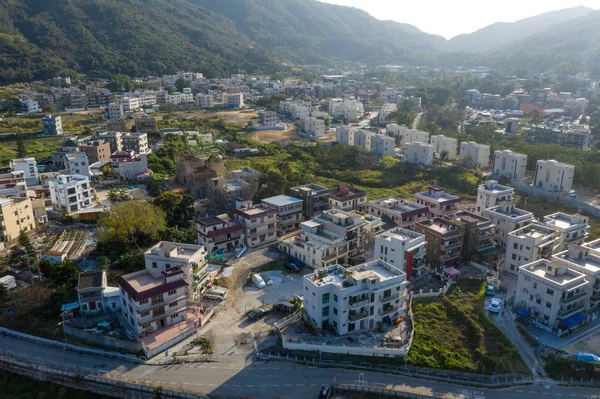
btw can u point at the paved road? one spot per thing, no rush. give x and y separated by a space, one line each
232 377
417 121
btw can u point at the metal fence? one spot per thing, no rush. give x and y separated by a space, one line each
71 347
90 375
488 381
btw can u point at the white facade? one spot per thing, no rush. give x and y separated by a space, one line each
130 167
268 118
349 110
491 194
419 153
585 259
298 111
77 163
438 201
356 298
130 104
70 193
403 249
385 111
528 244
315 127
506 217
363 139
573 228
405 135
30 106
235 100
115 111
509 164
383 145
204 100
52 125
29 168
551 291
345 135
554 176
442 143
479 153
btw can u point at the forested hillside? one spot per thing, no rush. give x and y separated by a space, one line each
43 38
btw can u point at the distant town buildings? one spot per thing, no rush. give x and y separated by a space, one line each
52 125
551 175
419 153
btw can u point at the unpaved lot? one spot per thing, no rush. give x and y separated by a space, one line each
277 136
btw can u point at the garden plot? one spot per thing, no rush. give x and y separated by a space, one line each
73 243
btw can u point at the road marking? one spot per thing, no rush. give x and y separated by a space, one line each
237 385
299 385
198 384
287 385
275 385
558 394
518 390
250 386
262 385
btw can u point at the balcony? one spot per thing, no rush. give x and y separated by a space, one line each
451 245
573 298
565 312
388 310
393 295
359 304
358 316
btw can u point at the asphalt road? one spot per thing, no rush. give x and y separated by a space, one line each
232 377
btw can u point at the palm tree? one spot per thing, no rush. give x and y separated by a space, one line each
112 194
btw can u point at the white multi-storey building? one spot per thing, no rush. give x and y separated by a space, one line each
267 118
290 211
509 164
349 110
299 112
363 138
130 104
156 298
30 106
137 142
314 127
585 259
29 169
234 100
332 238
115 111
385 111
491 193
70 193
419 153
204 100
554 176
442 143
506 217
130 165
383 145
551 291
354 298
77 163
174 99
398 211
403 249
573 228
345 135
479 154
528 244
13 184
52 125
404 135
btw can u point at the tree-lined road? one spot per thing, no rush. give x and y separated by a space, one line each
232 377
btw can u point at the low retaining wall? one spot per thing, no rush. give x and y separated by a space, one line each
103 340
344 350
564 199
381 391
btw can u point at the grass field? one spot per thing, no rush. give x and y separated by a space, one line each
452 332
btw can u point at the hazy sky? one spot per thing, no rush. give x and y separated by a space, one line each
449 18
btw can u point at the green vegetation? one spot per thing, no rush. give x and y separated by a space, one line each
452 332
204 344
15 386
40 40
561 367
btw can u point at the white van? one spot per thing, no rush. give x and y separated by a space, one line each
216 294
258 281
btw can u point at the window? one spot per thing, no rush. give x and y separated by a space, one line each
173 304
144 314
335 298
172 292
516 246
167 265
534 285
325 299
549 291
154 265
514 257
335 311
538 301
548 305
325 311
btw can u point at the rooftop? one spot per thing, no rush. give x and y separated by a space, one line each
582 257
347 193
143 285
439 225
564 221
509 211
282 200
400 234
469 217
90 280
174 250
344 278
494 187
535 231
399 205
255 212
314 188
540 269
437 194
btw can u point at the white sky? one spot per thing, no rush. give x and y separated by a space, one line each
449 18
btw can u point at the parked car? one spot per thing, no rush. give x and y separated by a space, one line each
495 305
258 313
258 281
219 295
292 267
490 290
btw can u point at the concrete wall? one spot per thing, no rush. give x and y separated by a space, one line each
103 340
564 199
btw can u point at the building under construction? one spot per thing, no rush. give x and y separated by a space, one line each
196 173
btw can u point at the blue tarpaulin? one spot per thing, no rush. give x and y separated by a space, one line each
523 312
69 306
587 357
575 320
